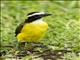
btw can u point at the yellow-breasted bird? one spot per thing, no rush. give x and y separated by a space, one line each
33 28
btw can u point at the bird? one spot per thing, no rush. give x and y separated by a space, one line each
33 28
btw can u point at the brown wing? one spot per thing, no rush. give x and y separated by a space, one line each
19 28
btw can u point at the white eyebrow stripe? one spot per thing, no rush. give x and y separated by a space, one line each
36 14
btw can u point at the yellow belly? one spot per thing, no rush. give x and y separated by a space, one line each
32 32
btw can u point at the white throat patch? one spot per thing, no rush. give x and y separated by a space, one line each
38 21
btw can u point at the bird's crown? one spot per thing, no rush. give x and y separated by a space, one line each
36 14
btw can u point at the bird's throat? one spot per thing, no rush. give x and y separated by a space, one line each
38 21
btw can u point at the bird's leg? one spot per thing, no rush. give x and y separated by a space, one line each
38 44
21 46
34 46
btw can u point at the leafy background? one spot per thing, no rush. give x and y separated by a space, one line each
64 24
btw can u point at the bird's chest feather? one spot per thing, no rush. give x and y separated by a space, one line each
33 31
35 27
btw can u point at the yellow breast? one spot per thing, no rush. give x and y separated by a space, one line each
32 32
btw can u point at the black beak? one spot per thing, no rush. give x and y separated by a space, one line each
46 14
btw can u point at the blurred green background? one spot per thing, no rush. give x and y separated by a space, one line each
64 24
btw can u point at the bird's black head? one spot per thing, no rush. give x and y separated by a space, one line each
36 15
